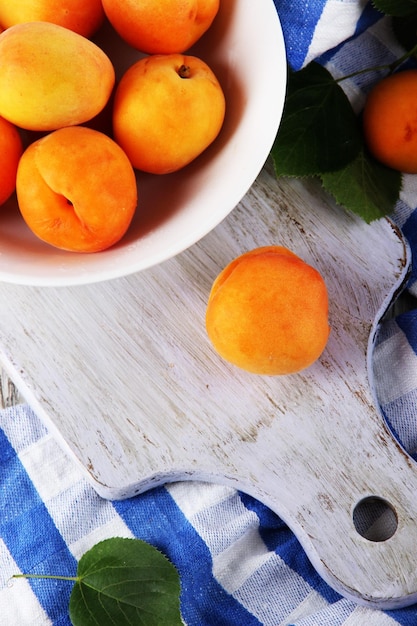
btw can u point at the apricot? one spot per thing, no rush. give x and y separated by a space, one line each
267 312
82 16
51 77
76 189
11 149
167 110
390 121
161 26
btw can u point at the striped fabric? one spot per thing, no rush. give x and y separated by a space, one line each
239 564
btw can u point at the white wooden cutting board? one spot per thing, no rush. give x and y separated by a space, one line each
124 375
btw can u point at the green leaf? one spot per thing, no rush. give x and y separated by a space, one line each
125 582
365 187
399 8
319 130
405 30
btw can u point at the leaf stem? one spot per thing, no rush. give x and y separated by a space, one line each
72 578
388 66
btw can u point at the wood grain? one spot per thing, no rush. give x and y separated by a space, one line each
124 375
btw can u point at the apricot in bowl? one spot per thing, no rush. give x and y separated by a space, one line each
76 189
11 149
267 312
161 26
81 16
161 115
51 77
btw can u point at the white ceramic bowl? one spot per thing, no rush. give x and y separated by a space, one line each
245 49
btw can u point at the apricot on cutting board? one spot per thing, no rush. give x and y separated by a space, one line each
267 312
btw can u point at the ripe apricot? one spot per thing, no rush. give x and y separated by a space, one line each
167 110
390 121
76 189
51 77
161 26
82 16
267 312
11 150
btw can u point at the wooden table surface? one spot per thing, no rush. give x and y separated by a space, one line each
9 393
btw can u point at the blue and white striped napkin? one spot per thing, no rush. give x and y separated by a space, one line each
239 564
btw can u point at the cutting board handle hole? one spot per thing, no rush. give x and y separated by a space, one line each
375 519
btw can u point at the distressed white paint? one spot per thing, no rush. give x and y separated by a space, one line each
123 374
